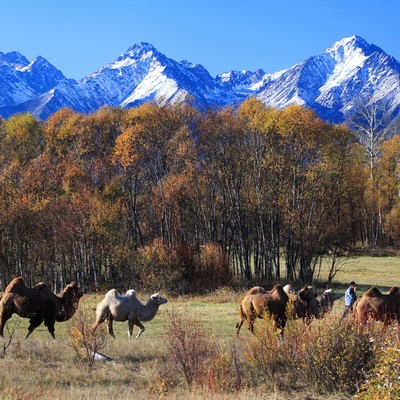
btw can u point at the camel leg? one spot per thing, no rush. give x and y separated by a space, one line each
110 327
34 323
398 328
141 328
50 327
131 324
250 327
98 322
4 317
3 320
238 326
280 326
50 322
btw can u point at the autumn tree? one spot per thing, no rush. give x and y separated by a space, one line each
370 122
388 184
225 197
263 185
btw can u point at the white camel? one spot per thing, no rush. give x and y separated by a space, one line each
126 308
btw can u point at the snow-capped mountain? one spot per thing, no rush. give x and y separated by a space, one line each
21 80
331 83
334 82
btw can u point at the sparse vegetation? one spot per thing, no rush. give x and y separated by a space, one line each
325 360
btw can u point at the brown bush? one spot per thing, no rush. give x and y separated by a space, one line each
189 345
338 355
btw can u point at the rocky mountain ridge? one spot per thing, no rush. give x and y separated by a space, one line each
332 83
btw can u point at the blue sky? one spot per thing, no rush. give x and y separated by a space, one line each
79 37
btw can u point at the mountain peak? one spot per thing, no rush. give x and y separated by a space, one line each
13 58
350 46
140 49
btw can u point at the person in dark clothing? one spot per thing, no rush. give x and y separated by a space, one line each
349 299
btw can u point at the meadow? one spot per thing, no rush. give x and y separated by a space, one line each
190 351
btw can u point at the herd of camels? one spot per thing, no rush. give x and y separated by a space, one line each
40 304
258 302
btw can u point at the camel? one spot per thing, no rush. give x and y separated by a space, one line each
380 307
304 303
288 289
258 303
327 299
126 308
39 304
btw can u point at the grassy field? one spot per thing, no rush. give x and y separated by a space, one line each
41 368
382 272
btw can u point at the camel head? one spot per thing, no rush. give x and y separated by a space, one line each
331 295
74 291
288 289
158 299
307 293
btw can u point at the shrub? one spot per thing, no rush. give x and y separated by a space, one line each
226 372
338 355
328 354
383 381
189 346
83 340
268 354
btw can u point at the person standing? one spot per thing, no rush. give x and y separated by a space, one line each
349 298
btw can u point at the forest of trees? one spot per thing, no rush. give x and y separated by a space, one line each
168 198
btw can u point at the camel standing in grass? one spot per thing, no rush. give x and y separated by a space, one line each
259 303
379 307
39 304
304 303
126 308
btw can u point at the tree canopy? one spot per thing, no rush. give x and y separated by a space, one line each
165 197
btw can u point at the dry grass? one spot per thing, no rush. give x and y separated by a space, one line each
240 369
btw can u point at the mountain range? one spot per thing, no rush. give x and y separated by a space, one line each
333 84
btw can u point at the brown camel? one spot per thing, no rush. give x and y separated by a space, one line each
377 306
259 303
39 304
304 303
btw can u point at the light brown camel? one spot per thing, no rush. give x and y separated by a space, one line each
259 303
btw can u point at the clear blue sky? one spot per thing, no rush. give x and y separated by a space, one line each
79 37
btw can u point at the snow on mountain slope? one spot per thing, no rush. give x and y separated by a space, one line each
334 82
331 83
21 80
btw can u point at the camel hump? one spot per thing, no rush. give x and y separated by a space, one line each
16 285
278 288
40 286
130 292
373 292
277 291
256 290
113 293
394 291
